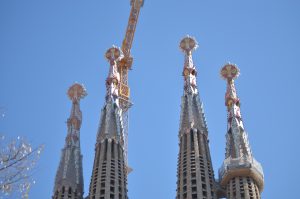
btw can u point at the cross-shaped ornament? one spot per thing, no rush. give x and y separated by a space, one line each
230 71
113 53
188 44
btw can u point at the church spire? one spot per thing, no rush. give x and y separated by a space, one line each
195 175
69 176
238 146
192 114
109 177
241 175
111 125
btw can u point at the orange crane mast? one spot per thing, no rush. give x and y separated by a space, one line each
124 65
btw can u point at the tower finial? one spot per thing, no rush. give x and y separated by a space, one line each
230 71
76 92
113 55
187 45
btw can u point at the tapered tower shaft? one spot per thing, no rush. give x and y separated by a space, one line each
241 175
109 177
69 176
195 175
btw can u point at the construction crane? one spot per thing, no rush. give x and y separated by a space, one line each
123 66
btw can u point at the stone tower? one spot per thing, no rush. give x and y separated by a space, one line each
109 175
195 175
69 177
240 175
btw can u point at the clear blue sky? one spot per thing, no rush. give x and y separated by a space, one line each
45 46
